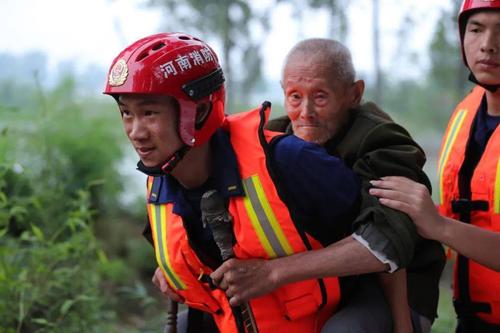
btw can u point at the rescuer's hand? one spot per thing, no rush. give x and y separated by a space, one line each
161 283
245 279
411 198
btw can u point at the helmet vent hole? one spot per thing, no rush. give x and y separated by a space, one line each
158 46
142 56
184 38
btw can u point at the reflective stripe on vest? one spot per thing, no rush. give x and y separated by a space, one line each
451 136
157 215
263 219
496 207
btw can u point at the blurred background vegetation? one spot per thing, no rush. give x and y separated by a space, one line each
72 257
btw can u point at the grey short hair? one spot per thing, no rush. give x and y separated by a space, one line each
330 53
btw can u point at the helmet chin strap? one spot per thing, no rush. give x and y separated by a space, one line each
490 87
168 166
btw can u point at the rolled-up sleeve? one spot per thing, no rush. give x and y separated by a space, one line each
388 150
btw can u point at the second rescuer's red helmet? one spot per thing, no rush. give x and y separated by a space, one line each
178 65
469 7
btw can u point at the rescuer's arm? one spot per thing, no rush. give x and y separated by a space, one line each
414 199
247 279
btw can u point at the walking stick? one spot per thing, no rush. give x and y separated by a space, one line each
172 308
215 214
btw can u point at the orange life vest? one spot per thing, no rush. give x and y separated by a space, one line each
483 283
262 228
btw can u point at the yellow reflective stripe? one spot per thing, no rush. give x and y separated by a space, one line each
449 142
264 220
158 214
496 202
148 190
257 227
272 218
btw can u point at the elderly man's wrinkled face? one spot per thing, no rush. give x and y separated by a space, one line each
314 104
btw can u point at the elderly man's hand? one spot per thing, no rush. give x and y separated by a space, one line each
245 279
161 283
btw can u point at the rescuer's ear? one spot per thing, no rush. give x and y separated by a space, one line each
203 109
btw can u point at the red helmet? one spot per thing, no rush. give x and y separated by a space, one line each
178 65
469 7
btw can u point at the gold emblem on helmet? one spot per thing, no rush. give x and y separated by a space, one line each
118 73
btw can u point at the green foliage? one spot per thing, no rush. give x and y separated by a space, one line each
447 70
424 104
421 107
49 279
444 54
13 205
58 180
72 145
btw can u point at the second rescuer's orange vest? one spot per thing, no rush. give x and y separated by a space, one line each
262 228
484 283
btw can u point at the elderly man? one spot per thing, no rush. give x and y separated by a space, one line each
322 101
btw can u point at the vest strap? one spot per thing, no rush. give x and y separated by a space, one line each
474 324
468 309
463 205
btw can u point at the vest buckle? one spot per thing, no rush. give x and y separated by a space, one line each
463 205
468 309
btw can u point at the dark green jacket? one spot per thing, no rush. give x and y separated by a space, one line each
374 146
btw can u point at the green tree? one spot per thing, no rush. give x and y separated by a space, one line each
337 11
229 22
447 75
447 69
339 23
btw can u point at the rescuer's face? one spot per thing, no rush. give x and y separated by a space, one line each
150 122
482 46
